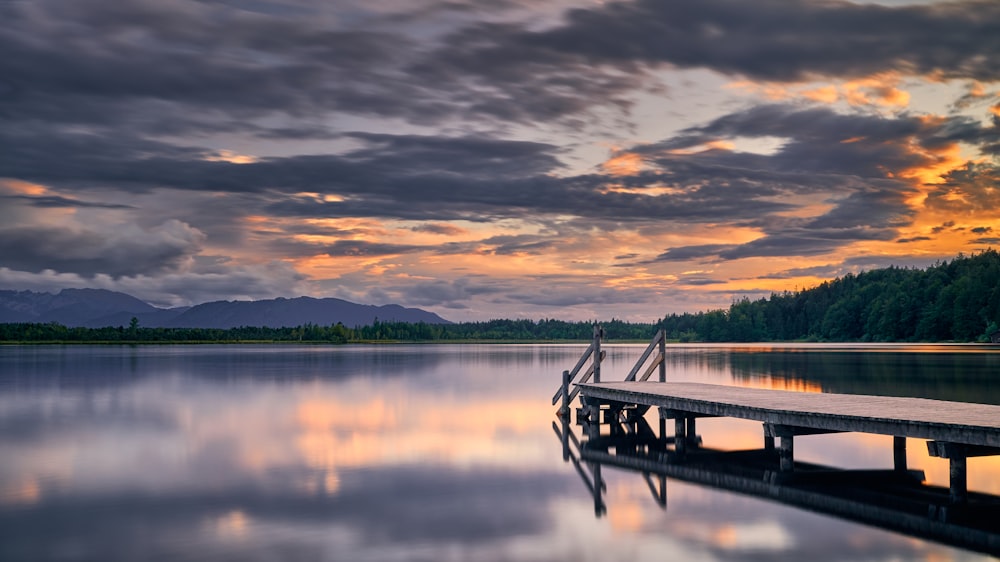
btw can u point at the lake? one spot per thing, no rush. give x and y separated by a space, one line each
417 452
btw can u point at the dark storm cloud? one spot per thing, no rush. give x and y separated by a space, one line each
96 95
115 58
685 253
700 281
821 140
358 248
855 265
178 66
447 293
775 40
475 157
950 225
116 253
343 248
972 188
806 239
851 158
52 201
520 244
409 177
551 292
438 228
482 178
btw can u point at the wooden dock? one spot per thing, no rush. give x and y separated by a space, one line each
951 422
953 430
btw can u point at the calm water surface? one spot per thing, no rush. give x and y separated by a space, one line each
443 452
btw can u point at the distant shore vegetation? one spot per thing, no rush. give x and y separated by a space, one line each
957 300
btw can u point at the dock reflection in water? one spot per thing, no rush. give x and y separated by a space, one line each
888 499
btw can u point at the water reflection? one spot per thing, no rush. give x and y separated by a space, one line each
892 499
360 453
961 373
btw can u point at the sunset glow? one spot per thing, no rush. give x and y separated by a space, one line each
484 160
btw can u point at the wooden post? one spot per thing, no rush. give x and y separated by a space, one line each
663 491
599 508
899 453
564 436
768 437
565 395
614 419
959 490
659 493
598 333
663 353
692 433
594 427
680 439
786 453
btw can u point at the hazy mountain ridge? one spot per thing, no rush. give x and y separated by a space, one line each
96 308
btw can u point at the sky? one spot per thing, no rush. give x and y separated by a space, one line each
505 159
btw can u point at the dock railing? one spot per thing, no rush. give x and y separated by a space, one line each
573 376
659 360
569 378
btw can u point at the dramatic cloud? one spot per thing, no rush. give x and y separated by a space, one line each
124 252
491 159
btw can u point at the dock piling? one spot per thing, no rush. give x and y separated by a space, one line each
899 453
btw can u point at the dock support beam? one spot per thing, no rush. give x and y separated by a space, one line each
786 454
958 485
957 455
768 439
899 453
680 435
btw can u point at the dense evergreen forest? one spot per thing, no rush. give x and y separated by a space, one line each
951 301
493 330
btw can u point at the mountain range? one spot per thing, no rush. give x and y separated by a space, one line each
97 308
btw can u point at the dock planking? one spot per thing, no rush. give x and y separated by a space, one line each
953 430
954 422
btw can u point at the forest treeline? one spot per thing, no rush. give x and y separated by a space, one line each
956 300
492 330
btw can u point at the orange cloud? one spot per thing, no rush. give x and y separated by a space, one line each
823 94
718 144
878 89
623 164
769 90
19 187
229 156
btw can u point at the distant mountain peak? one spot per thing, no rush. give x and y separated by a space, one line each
100 307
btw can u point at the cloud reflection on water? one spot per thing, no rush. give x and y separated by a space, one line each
396 453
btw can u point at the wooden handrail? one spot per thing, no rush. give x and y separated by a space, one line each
658 339
657 361
576 369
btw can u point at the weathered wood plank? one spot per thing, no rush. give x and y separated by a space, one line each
948 450
955 422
